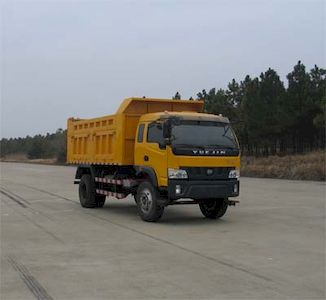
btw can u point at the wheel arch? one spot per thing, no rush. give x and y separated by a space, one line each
84 169
147 173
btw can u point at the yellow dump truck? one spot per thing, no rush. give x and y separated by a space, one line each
161 151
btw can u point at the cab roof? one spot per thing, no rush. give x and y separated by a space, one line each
184 115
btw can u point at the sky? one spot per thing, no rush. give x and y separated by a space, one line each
62 59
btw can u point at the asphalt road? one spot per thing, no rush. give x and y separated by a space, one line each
271 246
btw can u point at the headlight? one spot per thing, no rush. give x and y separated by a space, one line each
177 174
234 173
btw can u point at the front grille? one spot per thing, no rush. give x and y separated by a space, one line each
207 173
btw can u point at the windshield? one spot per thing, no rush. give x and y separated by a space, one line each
204 134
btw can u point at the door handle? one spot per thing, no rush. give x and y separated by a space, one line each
146 158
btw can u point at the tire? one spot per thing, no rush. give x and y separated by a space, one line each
100 200
87 194
213 209
147 202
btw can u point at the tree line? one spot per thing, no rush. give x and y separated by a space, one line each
268 116
39 146
271 118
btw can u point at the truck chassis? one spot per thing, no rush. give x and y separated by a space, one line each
96 182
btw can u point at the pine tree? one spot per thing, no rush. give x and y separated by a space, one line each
177 96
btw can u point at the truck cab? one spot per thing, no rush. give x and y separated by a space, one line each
193 156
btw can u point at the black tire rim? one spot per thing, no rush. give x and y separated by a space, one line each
211 206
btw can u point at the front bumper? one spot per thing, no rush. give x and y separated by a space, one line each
202 189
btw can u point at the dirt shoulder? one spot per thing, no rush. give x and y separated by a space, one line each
310 166
22 158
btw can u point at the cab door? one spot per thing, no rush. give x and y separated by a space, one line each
151 151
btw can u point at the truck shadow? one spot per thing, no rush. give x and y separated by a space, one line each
123 209
178 217
171 216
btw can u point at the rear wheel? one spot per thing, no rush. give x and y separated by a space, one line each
87 193
147 202
214 209
100 200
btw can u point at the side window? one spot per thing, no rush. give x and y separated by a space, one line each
155 133
140 136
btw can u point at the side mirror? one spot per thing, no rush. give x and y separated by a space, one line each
167 128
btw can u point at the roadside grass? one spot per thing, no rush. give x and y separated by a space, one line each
310 166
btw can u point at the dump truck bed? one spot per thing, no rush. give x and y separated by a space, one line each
110 139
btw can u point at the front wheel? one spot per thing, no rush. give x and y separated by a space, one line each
214 209
147 202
